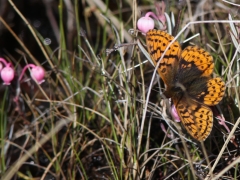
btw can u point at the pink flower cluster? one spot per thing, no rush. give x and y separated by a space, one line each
7 72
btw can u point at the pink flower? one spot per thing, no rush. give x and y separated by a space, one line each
175 114
7 75
38 73
144 24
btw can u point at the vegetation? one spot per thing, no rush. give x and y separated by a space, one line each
100 113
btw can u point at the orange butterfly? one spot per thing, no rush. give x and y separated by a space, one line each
187 75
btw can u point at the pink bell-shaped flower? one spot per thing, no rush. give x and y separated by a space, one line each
144 24
7 75
38 73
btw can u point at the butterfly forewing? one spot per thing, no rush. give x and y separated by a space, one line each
195 57
157 41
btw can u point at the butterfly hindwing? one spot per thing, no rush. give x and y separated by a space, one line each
213 93
197 118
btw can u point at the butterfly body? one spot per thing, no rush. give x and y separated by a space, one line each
187 75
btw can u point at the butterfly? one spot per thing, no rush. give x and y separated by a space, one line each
187 75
